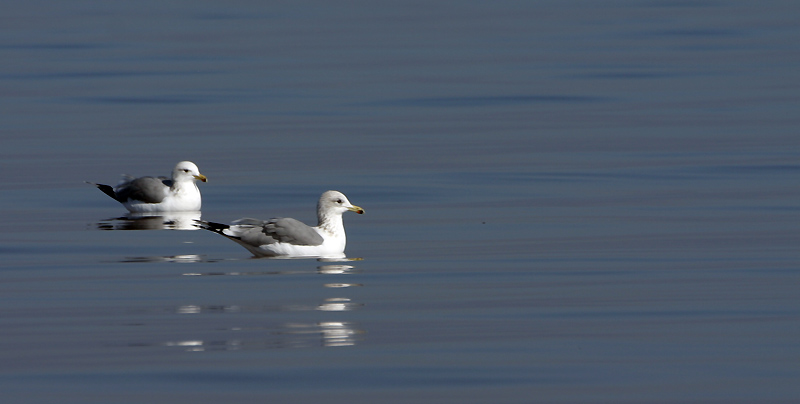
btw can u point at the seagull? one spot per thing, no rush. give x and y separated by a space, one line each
291 238
151 194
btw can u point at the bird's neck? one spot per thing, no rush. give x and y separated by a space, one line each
330 223
184 186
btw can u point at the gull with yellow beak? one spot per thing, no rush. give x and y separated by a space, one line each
290 238
159 194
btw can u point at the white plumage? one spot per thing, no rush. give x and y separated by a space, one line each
287 237
159 194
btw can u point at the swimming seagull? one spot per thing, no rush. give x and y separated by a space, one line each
151 194
287 237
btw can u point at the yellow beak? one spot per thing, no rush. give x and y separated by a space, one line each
201 177
356 209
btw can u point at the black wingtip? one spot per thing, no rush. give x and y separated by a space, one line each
218 228
211 226
108 190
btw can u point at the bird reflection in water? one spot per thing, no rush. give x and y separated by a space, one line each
152 221
289 335
286 335
323 269
218 334
337 304
182 259
333 333
336 269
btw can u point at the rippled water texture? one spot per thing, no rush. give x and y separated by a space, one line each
566 201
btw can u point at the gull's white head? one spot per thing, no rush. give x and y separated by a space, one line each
187 171
335 202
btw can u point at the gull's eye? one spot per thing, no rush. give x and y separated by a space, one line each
186 170
339 201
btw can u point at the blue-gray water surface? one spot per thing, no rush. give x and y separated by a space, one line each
566 201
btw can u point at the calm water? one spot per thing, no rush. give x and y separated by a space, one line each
566 201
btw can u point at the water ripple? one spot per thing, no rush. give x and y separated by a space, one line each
488 101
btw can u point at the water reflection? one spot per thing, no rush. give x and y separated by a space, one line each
288 335
340 259
338 304
336 269
331 333
185 259
196 258
323 269
277 321
327 304
196 309
150 221
341 285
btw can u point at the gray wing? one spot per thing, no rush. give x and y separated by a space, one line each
145 189
282 229
292 231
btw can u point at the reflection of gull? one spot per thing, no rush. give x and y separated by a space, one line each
334 333
289 237
151 194
335 269
337 333
238 332
328 333
150 221
182 259
337 304
197 309
341 285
